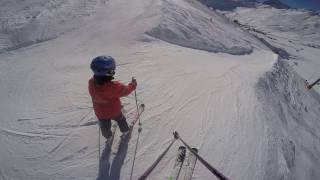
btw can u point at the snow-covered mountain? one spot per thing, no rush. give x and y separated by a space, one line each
229 4
29 22
231 84
277 4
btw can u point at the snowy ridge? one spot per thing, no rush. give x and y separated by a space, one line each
197 27
297 26
295 35
227 5
276 4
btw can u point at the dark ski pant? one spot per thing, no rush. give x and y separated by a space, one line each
105 125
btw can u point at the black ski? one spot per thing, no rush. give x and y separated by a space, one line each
191 163
178 163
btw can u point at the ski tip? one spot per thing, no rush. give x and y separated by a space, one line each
176 135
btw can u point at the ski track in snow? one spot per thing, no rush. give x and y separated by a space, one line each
235 109
30 134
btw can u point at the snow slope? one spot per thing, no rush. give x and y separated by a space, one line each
48 129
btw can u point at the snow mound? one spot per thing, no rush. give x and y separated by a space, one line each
195 26
291 114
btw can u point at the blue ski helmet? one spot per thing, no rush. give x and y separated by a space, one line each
103 66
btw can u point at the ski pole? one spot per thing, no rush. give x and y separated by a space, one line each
99 144
136 99
139 131
150 169
204 162
309 86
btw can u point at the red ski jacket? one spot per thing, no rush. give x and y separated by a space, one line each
106 98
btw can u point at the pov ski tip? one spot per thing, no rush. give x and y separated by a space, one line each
176 135
182 150
181 153
195 150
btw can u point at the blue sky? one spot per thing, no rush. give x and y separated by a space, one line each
309 4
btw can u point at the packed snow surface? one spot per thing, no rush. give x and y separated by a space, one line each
224 90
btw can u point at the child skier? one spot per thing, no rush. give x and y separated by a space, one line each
105 94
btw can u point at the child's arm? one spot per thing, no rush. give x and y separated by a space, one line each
125 90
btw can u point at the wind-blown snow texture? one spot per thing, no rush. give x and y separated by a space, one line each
244 107
293 113
292 124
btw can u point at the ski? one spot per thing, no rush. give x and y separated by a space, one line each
191 163
178 163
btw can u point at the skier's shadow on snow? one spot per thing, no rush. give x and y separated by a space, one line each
112 172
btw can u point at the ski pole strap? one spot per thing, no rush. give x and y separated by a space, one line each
205 163
150 169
